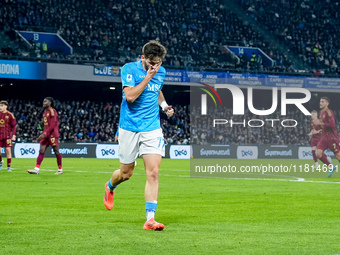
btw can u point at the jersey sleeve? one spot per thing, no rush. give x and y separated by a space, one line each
163 73
127 76
14 125
330 122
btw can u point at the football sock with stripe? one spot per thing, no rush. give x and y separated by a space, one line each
59 161
40 159
324 159
314 156
150 208
110 187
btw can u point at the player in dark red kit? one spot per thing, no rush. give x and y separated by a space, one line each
50 136
315 134
8 127
329 137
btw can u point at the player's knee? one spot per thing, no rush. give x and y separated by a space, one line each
319 154
41 151
153 174
126 176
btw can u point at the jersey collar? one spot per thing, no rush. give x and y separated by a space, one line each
139 65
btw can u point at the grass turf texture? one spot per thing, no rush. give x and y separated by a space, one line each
65 214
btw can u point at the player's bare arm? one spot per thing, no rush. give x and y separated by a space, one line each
132 93
165 107
315 132
310 133
42 136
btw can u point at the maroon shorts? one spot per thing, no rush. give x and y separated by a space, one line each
53 141
333 145
5 143
314 142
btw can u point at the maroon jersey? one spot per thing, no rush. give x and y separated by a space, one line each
316 128
8 125
51 123
329 131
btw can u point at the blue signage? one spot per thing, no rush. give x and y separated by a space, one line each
239 79
53 41
107 71
22 70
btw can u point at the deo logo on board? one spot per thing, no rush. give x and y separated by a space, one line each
109 151
247 152
26 151
180 151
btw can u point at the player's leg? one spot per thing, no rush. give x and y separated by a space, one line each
43 147
1 161
41 155
9 158
118 176
128 152
151 163
152 149
322 156
315 158
336 149
322 145
121 175
59 159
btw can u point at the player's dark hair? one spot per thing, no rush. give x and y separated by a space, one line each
154 49
4 102
326 98
51 100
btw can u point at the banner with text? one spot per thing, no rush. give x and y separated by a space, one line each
240 79
22 70
180 151
107 151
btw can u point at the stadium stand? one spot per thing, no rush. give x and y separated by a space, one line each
309 28
90 121
195 33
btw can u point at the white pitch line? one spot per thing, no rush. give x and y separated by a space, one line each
188 176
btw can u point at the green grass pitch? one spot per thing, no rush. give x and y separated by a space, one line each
49 214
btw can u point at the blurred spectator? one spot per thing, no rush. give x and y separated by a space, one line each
309 29
90 121
96 122
195 33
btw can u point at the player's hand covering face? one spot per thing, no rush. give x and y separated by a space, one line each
152 66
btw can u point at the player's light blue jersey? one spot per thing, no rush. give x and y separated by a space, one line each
143 114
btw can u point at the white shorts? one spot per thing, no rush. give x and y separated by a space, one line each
132 144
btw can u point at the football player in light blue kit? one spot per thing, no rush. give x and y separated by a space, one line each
140 132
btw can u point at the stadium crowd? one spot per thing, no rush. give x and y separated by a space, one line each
194 32
309 28
88 121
